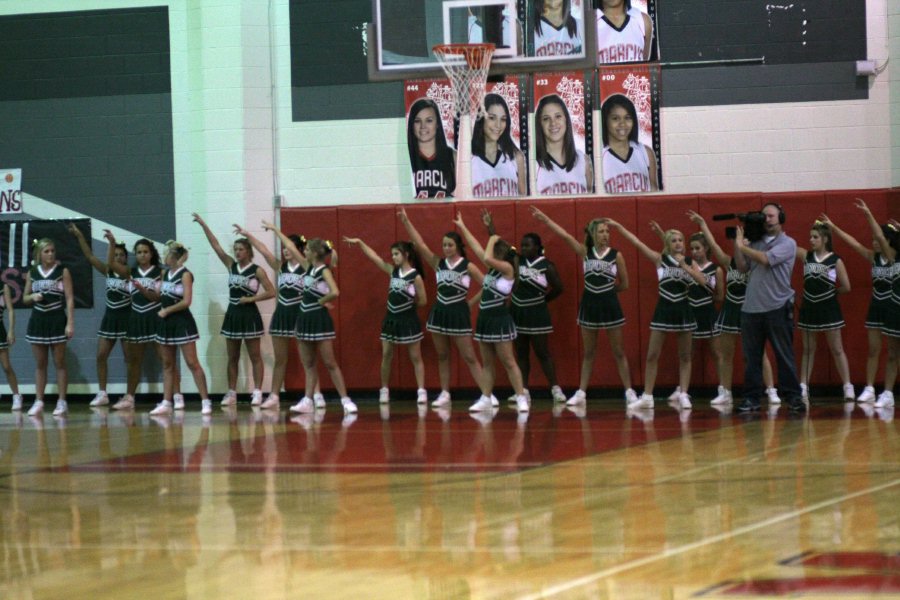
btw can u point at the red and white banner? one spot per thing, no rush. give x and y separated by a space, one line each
11 191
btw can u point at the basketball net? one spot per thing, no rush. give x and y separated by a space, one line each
466 66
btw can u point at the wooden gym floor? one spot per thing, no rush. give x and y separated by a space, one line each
410 503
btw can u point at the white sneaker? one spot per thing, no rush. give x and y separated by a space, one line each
125 402
319 400
630 397
256 398
442 400
162 409
720 389
804 391
867 395
272 401
885 399
62 407
495 403
724 397
384 396
304 406
481 405
178 401
17 402
421 396
101 399
673 397
577 399
772 394
349 406
849 392
522 404
644 401
206 407
557 393
684 400
230 398
36 408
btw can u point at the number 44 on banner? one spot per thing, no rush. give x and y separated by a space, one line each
10 191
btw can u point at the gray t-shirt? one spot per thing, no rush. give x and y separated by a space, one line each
769 287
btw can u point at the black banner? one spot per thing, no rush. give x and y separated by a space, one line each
16 238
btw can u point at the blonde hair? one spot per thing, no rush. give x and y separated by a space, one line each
37 246
668 236
175 247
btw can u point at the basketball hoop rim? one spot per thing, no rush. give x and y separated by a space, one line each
475 54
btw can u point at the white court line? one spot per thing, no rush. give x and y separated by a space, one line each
588 579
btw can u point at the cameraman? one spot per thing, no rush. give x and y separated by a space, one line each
768 312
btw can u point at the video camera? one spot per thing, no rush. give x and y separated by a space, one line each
754 224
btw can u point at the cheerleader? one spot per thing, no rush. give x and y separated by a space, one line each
556 30
498 166
287 305
624 33
315 329
177 329
248 284
824 277
48 290
605 276
7 339
537 284
494 329
673 314
114 325
728 322
561 168
406 293
449 317
884 270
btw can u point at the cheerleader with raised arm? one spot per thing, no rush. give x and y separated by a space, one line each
537 284
315 329
824 277
673 313
406 293
48 290
283 325
605 276
728 322
7 339
885 270
449 318
495 329
178 330
248 285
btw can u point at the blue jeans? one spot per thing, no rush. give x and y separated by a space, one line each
776 326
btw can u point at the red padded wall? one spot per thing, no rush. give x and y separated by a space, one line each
361 306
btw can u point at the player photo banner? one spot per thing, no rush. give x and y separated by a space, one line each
500 142
563 140
430 137
628 120
10 191
16 239
626 31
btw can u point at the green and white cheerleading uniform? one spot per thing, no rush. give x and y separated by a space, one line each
450 313
528 304
401 323
143 322
4 344
114 324
883 275
242 321
314 324
178 327
47 324
673 310
600 308
729 320
820 310
701 299
494 323
287 304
